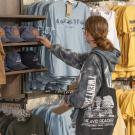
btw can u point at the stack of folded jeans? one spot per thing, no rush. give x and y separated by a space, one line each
47 82
59 83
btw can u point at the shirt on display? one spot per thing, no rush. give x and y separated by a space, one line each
125 24
125 27
67 31
112 33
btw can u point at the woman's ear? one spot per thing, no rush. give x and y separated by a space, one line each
86 35
89 37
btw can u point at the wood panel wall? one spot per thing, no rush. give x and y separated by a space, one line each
9 7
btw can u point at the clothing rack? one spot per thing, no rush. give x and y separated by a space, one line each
47 92
94 3
58 92
22 100
18 99
12 100
105 2
130 80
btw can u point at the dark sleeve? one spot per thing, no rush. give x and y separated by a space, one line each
89 84
10 129
73 59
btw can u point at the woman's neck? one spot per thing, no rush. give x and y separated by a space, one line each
93 44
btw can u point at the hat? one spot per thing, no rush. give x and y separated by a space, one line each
6 68
2 35
30 59
13 61
13 34
29 33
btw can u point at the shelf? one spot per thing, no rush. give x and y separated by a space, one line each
26 71
41 93
17 99
21 17
22 44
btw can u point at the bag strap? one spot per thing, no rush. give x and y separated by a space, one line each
104 82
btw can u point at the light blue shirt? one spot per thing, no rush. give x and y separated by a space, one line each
67 31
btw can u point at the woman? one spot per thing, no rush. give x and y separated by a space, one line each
90 79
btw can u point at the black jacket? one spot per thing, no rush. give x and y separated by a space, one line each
90 78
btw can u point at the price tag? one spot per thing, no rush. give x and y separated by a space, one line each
69 8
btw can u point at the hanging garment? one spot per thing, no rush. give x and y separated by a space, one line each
55 124
110 16
2 69
112 33
34 126
68 31
120 127
125 25
126 103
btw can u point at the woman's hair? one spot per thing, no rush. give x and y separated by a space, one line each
97 26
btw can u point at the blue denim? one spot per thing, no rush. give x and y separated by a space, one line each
55 124
63 122
56 86
10 35
32 8
46 82
45 113
67 123
55 127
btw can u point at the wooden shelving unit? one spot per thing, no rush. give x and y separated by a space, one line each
21 44
25 18
16 99
26 71
14 83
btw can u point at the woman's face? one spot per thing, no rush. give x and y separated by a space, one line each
89 38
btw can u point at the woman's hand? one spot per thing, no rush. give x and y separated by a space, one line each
44 41
65 104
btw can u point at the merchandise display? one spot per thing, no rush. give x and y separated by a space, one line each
13 34
125 29
10 34
61 28
3 36
77 76
14 62
29 33
30 59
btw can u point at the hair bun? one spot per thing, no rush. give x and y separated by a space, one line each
104 44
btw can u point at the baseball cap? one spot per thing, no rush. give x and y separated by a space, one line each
3 36
13 61
29 33
7 69
30 59
5 65
13 33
